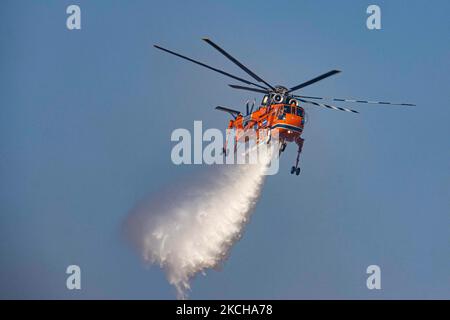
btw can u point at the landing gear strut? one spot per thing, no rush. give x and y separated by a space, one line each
282 148
296 168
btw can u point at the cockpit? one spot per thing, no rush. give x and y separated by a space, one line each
294 109
276 98
290 104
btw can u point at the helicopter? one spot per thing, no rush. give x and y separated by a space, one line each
280 110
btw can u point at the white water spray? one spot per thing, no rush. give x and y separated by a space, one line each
191 227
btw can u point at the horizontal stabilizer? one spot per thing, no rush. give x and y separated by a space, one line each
234 113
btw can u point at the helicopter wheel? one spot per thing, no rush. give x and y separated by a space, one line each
292 170
297 171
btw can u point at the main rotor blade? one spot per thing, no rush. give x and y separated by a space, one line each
328 106
321 77
240 65
208 67
248 88
358 101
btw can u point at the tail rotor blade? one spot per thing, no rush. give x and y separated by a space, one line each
253 105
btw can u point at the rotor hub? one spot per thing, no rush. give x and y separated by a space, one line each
281 90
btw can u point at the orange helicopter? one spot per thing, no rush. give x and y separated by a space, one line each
280 110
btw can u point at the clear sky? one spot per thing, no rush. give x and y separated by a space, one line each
85 125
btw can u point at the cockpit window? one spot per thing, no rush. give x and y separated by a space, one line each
287 109
300 112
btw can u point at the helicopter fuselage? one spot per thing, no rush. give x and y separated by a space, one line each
287 120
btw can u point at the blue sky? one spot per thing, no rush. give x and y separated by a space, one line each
86 118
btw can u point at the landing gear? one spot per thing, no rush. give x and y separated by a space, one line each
282 148
296 168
